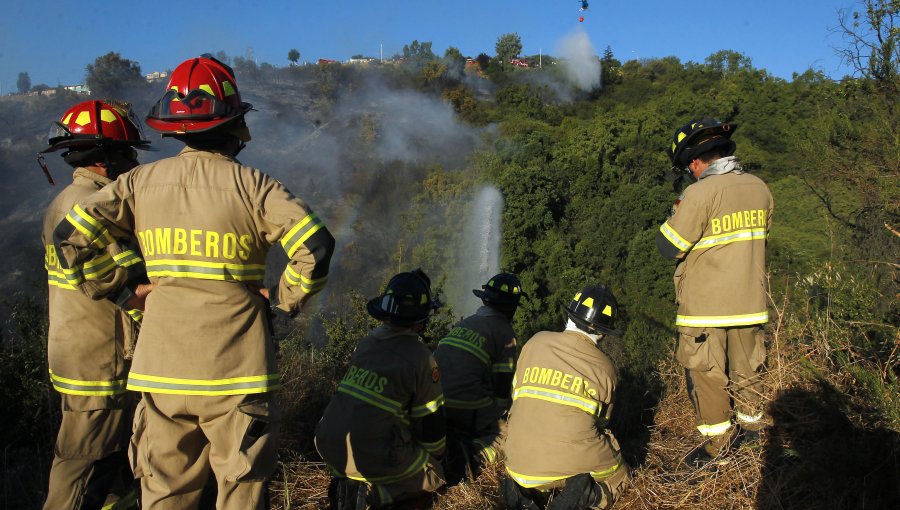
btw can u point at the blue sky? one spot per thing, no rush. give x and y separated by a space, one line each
54 40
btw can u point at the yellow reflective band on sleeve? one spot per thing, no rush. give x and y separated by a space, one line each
459 343
136 315
98 268
503 367
57 279
302 231
232 386
372 398
87 225
481 403
557 397
307 285
487 451
721 321
427 408
127 258
87 388
435 446
714 430
533 482
753 234
674 237
205 270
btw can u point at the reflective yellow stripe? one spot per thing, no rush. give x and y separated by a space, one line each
98 268
136 315
302 231
503 367
674 237
731 237
557 397
436 446
417 465
127 258
468 404
87 225
427 408
714 430
372 398
466 346
232 386
57 279
87 388
307 285
205 270
531 482
722 321
487 451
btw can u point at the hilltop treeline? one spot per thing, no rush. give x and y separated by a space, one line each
391 155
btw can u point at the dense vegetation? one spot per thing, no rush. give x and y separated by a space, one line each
586 184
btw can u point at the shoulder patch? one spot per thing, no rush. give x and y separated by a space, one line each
435 374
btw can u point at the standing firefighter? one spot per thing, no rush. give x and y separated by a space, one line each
89 341
205 364
563 394
477 361
718 232
383 433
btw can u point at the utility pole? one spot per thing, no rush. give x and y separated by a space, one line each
540 58
381 45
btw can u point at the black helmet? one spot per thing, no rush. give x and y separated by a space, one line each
594 310
406 299
503 289
699 136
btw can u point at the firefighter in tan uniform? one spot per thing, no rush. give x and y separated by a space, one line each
205 364
89 342
383 433
717 233
477 360
563 393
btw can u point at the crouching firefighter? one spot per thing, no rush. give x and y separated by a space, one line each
477 360
383 433
89 341
559 452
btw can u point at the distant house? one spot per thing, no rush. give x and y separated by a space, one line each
156 76
78 89
518 63
364 61
323 61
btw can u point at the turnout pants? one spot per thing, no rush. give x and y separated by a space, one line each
413 492
579 491
484 431
722 365
90 468
179 439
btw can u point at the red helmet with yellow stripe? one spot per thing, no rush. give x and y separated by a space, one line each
201 95
95 123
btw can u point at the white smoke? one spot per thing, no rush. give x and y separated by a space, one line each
580 60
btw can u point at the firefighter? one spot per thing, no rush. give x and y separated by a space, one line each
558 445
477 361
717 233
205 365
89 342
383 433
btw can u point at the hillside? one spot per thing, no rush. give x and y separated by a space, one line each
392 159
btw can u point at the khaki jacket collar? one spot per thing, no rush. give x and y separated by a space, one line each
385 332
191 152
487 311
84 173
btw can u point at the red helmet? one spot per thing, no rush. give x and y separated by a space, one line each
93 124
201 96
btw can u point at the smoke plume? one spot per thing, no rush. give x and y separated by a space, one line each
580 60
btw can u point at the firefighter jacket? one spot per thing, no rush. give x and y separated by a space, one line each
204 223
562 402
718 233
380 426
87 339
473 352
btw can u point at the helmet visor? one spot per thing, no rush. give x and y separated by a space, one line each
58 132
196 105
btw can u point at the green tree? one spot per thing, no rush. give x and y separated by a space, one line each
111 74
728 62
508 47
609 68
293 56
23 84
416 54
873 42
